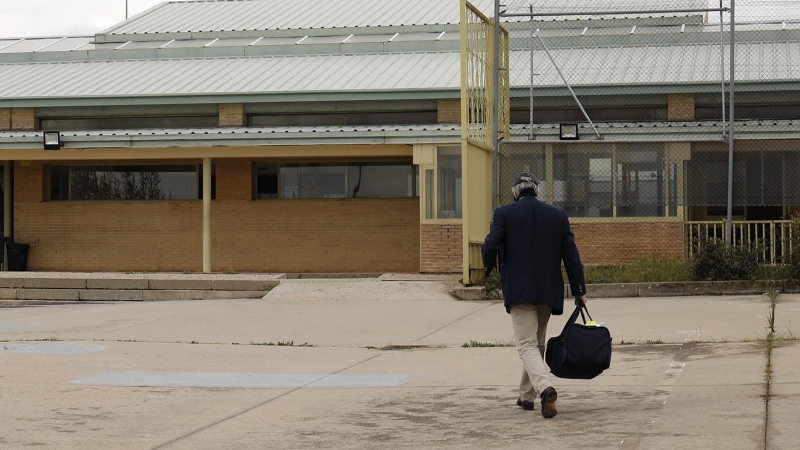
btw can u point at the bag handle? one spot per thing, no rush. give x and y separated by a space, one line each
574 317
582 306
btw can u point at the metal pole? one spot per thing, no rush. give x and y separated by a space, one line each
206 215
496 102
564 79
730 127
530 134
126 9
722 64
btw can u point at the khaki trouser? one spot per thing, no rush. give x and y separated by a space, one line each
530 329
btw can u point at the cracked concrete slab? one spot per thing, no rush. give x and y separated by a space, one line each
701 390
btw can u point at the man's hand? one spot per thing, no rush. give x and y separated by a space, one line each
579 299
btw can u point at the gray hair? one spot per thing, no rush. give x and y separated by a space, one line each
523 182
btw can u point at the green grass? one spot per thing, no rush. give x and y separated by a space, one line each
643 271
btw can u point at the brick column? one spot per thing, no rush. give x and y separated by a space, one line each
232 115
680 107
441 248
5 118
23 119
449 111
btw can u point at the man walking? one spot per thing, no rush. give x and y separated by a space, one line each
530 239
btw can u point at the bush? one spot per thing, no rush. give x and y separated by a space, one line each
493 285
715 260
793 262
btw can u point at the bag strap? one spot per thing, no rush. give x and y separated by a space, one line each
582 307
572 318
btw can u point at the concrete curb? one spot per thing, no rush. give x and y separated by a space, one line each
666 289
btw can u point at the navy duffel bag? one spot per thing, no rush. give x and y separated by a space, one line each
580 351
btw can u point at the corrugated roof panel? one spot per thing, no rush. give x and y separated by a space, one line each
244 15
67 44
369 38
403 71
29 45
189 43
662 65
579 6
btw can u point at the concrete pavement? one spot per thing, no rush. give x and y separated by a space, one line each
210 374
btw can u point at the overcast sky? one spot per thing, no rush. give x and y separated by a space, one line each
24 18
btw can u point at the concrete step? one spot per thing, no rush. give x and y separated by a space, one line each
49 296
141 284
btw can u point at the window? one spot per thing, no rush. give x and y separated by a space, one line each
442 183
621 180
640 182
429 208
335 180
130 182
582 183
448 164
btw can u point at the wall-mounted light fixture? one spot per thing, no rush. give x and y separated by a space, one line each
52 140
568 132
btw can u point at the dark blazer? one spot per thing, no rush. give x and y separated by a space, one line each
531 238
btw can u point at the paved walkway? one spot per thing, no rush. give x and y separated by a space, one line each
211 374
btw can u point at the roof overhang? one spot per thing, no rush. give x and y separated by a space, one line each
694 131
279 97
240 137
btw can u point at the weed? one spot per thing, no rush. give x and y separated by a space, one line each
646 342
773 299
281 344
473 343
403 347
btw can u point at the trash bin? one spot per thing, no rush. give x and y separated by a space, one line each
17 256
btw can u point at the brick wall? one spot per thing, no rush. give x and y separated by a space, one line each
441 247
625 242
247 236
326 235
231 115
680 107
5 118
97 236
449 111
23 119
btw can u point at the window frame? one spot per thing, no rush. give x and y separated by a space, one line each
667 210
346 163
69 165
429 195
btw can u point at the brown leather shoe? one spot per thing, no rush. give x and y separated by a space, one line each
549 397
526 405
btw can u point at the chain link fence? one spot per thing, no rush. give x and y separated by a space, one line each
622 110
